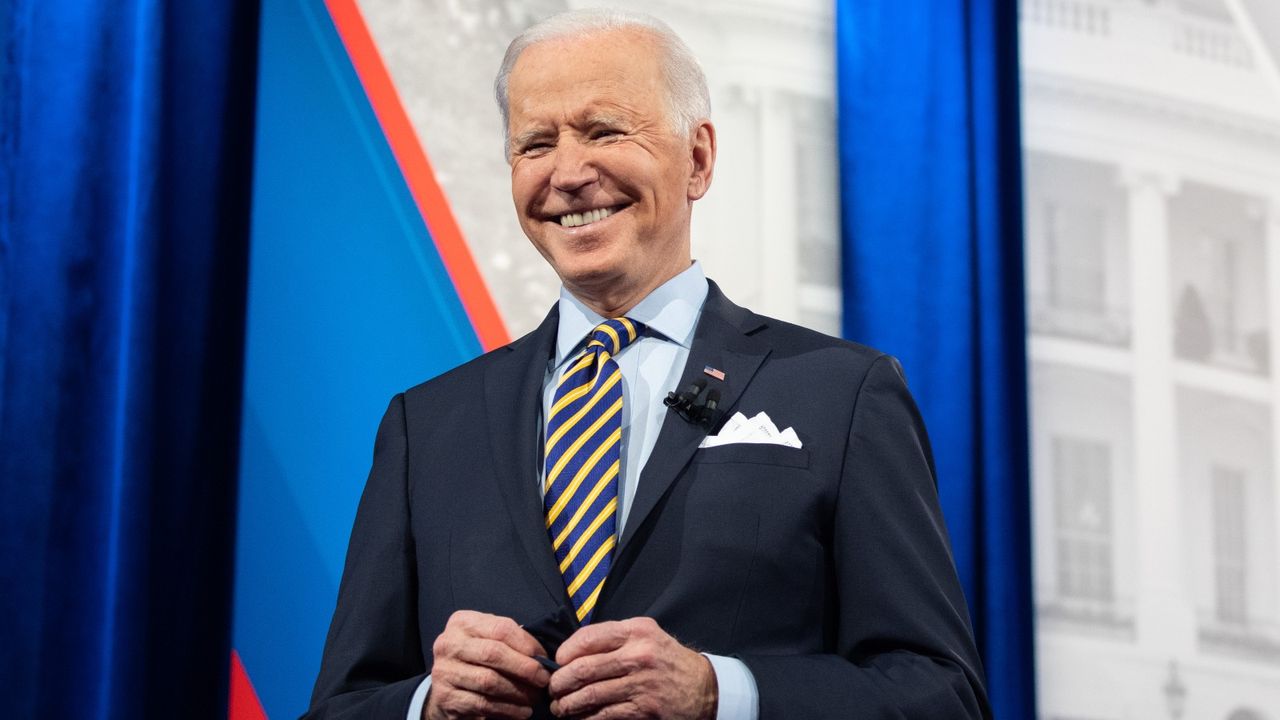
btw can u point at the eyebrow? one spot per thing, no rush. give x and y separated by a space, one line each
527 136
604 119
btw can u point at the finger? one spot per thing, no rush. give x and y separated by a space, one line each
500 656
462 703
519 639
593 639
607 696
497 627
466 620
471 624
591 669
621 711
484 682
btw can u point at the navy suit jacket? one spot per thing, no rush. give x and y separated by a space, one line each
826 569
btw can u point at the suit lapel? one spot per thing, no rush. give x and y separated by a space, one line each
722 341
513 404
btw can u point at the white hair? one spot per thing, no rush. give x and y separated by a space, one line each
688 101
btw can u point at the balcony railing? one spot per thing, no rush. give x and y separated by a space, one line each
1209 338
1209 39
1110 617
1105 326
1081 16
1252 640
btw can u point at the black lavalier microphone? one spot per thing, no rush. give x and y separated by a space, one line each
681 402
692 405
707 411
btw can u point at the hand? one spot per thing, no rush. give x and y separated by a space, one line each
484 667
631 669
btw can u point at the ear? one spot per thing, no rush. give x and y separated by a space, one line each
702 155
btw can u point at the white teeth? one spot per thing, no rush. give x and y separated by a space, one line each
584 218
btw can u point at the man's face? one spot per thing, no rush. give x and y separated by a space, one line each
602 184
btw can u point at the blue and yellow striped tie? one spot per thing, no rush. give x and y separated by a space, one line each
583 458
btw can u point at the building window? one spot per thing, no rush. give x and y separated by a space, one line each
1218 244
1226 281
1230 572
1077 263
1082 489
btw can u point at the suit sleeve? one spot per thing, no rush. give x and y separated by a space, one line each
904 648
373 661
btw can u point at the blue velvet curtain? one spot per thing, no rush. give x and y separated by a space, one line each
931 212
125 161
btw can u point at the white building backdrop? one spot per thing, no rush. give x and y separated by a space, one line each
1151 131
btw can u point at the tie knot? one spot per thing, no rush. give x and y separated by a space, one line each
614 335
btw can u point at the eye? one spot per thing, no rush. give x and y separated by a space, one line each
535 147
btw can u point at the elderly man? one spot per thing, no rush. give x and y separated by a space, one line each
540 533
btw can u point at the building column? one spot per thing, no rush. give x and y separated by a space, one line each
1271 247
780 247
1164 607
727 237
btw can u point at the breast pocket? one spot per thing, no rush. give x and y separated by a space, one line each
754 454
760 513
769 478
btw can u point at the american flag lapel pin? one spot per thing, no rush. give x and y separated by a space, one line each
713 372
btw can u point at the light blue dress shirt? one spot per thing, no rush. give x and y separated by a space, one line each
651 366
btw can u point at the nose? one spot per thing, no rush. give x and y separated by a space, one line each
573 168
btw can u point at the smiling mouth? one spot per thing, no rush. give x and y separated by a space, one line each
572 220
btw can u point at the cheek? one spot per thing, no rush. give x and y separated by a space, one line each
519 189
526 178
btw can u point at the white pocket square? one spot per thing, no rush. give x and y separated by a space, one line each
758 430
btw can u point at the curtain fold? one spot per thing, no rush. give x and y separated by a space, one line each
932 272
125 165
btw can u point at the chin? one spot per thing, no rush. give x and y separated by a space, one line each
595 263
591 276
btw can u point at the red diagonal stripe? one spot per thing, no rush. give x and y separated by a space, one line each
243 703
417 172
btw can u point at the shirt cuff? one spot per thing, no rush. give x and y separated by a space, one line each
739 698
420 699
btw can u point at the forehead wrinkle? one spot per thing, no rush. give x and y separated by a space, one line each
605 117
620 113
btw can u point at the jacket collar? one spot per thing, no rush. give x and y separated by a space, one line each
725 339
513 405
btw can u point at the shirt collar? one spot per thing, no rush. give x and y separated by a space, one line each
670 311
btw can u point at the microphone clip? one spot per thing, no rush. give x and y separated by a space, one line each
692 406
